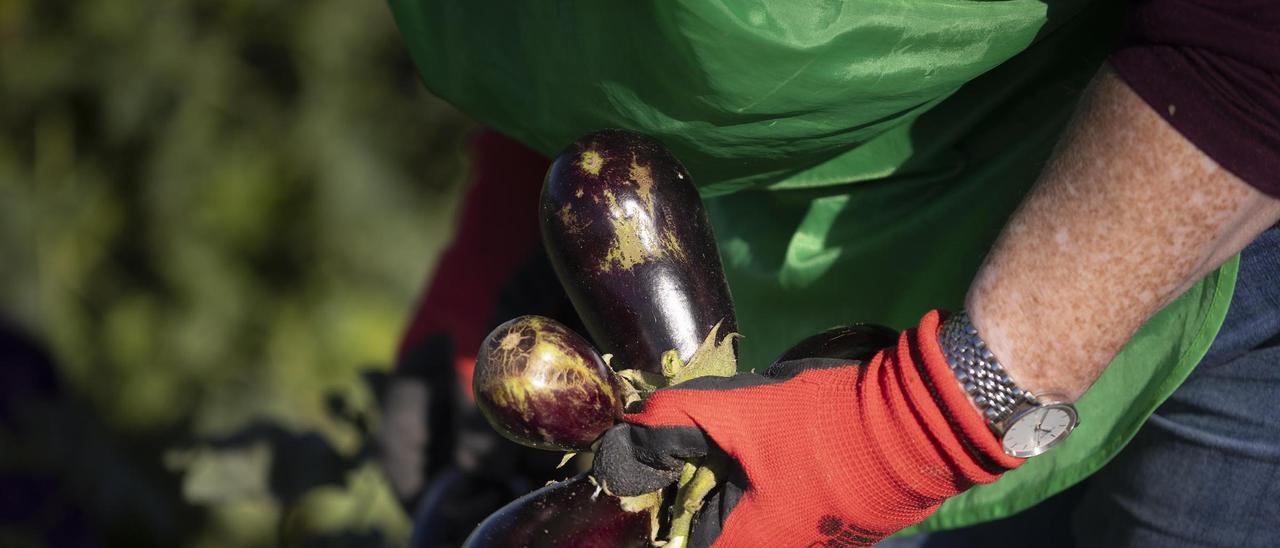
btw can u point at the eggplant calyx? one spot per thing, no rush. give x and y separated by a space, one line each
642 502
649 502
646 502
671 364
715 357
636 385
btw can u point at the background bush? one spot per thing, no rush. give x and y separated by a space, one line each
215 216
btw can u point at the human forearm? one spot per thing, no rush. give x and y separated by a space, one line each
1127 216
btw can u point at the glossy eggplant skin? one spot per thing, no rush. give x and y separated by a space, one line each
858 342
541 385
629 238
566 514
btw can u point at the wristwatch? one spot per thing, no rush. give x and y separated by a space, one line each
1026 424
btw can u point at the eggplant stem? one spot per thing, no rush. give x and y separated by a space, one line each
691 495
686 474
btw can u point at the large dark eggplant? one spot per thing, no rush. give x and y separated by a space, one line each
541 385
568 514
858 342
629 239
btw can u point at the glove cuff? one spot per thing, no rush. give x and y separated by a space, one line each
962 419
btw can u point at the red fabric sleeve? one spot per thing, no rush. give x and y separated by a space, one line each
496 232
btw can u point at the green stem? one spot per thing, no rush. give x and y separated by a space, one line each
687 474
691 495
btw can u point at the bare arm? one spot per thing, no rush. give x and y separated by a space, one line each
1127 216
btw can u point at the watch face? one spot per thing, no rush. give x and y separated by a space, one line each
1038 429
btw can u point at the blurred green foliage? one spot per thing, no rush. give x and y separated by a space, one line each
217 215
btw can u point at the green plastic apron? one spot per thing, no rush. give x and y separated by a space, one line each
858 158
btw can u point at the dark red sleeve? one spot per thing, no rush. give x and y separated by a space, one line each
1212 69
496 232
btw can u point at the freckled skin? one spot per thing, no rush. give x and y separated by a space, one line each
1126 217
541 385
637 257
568 513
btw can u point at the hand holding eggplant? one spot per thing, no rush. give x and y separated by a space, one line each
543 386
626 232
625 229
848 452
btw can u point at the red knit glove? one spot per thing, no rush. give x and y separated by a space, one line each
836 454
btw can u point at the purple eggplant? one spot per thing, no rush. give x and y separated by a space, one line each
567 514
858 342
541 385
628 236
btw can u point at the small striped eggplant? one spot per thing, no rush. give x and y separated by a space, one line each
543 386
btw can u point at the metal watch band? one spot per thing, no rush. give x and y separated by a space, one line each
981 375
